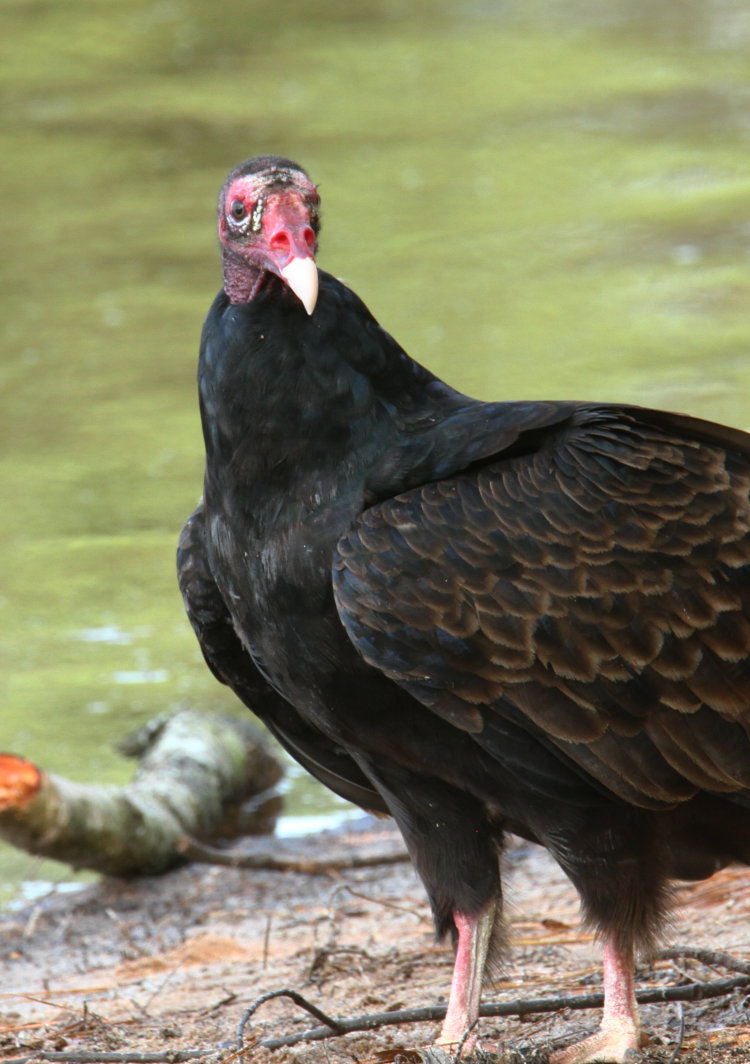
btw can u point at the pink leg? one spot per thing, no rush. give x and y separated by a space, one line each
618 1035
474 934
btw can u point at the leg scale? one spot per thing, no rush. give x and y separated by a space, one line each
617 1040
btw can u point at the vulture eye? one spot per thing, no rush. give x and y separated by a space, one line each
238 209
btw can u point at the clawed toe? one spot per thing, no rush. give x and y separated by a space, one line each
610 1045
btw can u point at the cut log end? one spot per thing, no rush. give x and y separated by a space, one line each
196 775
20 781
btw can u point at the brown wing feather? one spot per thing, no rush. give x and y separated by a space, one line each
600 586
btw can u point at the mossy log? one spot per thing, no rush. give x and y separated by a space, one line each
195 777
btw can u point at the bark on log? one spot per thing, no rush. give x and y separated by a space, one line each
195 776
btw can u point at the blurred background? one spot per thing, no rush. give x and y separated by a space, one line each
538 198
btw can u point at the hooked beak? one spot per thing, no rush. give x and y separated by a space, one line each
290 246
301 274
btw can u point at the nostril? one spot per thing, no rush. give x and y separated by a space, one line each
281 240
299 242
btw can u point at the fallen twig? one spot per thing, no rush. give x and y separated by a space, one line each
710 957
466 1036
680 1034
331 1024
200 852
378 901
521 1007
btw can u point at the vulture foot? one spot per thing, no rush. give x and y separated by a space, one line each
613 1043
617 1040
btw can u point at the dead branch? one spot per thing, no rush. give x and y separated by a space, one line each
200 852
336 1026
194 777
680 1034
711 958
332 1025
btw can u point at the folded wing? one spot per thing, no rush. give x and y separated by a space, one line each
595 589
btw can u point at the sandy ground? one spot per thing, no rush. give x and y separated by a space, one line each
156 965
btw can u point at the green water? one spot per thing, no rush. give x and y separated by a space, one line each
541 199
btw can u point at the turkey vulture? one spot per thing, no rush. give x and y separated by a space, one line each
477 617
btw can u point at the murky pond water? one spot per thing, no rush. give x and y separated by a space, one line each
542 199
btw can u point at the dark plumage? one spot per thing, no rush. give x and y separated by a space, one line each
477 617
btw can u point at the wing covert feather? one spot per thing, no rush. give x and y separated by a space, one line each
600 586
